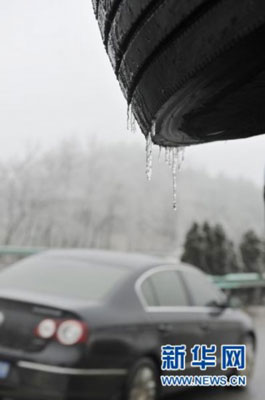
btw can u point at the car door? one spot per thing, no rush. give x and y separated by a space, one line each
219 325
168 305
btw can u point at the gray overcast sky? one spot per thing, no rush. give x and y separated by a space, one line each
56 82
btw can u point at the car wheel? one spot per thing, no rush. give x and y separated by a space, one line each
250 358
178 65
143 381
250 362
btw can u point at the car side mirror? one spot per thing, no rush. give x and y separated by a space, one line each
222 302
217 307
235 302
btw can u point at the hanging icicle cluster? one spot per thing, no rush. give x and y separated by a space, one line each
174 156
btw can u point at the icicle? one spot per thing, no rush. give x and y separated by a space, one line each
175 203
181 157
170 156
159 153
149 156
175 156
183 153
129 108
167 155
131 122
174 160
153 129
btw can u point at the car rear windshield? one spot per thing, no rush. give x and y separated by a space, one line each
74 279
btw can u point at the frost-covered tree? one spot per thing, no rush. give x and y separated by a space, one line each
208 248
252 252
98 196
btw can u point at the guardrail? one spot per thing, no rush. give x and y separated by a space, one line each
248 287
19 251
239 281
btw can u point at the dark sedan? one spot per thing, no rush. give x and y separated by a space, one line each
84 324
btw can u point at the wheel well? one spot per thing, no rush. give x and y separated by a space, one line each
155 360
252 335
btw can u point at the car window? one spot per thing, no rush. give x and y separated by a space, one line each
202 290
74 279
168 289
148 293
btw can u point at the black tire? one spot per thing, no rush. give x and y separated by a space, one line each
143 380
249 341
193 66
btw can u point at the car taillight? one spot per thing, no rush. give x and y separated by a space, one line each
67 332
71 332
46 329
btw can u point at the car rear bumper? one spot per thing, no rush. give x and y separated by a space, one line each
28 380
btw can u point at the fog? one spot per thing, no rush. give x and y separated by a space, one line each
97 196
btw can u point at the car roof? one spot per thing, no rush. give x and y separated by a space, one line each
104 257
133 262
